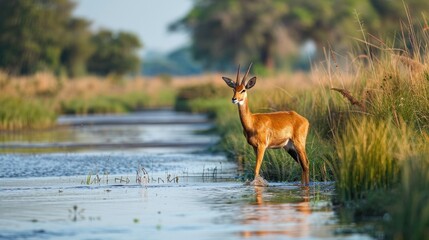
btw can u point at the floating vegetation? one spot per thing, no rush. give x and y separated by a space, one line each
142 178
95 178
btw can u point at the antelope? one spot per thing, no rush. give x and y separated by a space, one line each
285 129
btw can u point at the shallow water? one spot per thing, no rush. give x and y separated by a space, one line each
182 192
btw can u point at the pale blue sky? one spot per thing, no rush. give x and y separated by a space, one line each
146 18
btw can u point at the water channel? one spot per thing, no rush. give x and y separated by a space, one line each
146 175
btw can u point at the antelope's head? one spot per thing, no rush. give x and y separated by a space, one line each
240 87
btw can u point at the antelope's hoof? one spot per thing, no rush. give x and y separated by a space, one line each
258 182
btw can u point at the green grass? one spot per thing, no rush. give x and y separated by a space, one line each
106 104
368 157
17 113
117 103
409 215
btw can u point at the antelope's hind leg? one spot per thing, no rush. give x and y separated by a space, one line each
290 148
303 161
297 152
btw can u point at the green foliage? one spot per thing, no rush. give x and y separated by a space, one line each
105 104
78 47
226 33
179 62
31 34
114 53
409 215
42 35
17 113
200 92
368 157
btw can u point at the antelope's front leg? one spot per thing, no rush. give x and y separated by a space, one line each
259 181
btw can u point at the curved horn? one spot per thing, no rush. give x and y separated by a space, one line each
247 73
238 75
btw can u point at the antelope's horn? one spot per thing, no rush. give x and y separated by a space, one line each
238 75
247 73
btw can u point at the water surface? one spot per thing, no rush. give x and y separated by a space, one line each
146 176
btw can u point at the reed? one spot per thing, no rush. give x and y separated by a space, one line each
17 113
368 157
409 215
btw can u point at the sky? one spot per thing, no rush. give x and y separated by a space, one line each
149 19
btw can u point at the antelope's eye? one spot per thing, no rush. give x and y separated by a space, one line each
243 91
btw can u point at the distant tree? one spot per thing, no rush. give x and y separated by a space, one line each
337 21
114 53
225 33
32 34
229 32
178 62
77 47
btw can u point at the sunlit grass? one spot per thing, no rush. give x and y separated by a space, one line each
368 157
17 113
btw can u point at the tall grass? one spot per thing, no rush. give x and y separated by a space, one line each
379 163
17 113
34 101
368 157
106 104
409 215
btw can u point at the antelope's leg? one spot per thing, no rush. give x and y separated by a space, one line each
303 161
260 151
290 148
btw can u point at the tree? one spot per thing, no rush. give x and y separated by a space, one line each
225 33
78 47
114 53
31 34
229 32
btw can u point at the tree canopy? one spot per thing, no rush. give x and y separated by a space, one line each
225 33
114 53
43 35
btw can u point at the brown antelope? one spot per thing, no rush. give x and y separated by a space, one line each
286 130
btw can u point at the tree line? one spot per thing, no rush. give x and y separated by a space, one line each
38 35
267 32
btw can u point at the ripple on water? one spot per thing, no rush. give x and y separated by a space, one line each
65 164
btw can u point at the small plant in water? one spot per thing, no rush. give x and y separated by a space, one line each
122 180
95 179
142 176
76 214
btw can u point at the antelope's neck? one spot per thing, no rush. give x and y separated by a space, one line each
245 115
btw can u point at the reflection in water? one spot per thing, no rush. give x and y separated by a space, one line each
271 217
143 130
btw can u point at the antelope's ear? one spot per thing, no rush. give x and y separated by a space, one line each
229 82
251 83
